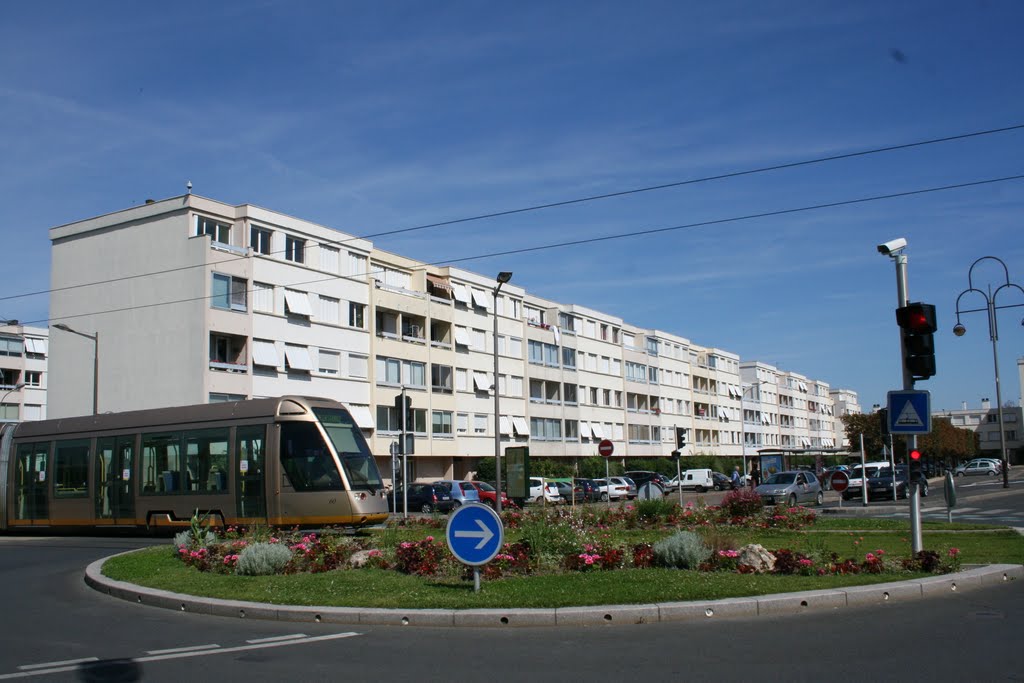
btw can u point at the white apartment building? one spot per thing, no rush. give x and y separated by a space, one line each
194 300
985 422
844 402
23 371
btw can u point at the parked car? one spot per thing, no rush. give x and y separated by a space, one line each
881 485
616 488
541 491
428 497
792 488
488 495
570 493
641 477
700 480
720 482
590 491
857 474
978 467
462 491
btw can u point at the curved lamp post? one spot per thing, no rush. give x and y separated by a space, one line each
993 332
95 363
503 277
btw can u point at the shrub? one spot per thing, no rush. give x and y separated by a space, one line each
743 502
262 559
422 558
683 550
655 509
643 556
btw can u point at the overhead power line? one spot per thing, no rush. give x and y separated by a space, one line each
604 238
568 202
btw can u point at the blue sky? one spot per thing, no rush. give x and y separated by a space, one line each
371 117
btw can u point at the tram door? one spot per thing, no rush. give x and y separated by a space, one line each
31 502
250 475
114 499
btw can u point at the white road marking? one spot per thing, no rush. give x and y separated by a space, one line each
72 665
191 648
276 638
66 662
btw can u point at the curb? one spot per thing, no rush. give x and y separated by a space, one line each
756 606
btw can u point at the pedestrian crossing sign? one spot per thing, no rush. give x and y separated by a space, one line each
910 412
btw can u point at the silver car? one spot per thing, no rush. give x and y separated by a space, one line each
462 491
791 488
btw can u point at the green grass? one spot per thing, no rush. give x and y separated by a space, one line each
159 568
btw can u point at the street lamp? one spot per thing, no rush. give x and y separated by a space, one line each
993 333
503 277
95 363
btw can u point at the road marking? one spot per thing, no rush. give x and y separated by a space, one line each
191 648
72 665
274 639
66 662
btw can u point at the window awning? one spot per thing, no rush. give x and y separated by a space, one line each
595 427
519 423
439 282
764 419
480 298
298 358
481 381
264 353
460 293
506 425
362 416
585 430
461 336
35 345
298 302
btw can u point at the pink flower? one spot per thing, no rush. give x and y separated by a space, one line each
804 562
870 557
953 552
430 539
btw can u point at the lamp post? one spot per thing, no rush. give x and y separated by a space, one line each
503 277
95 363
993 333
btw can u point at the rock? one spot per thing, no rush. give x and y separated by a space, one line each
361 557
754 555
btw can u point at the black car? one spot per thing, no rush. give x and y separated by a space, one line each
880 485
590 491
722 482
641 477
423 498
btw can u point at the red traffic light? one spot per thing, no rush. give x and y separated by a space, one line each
917 318
915 454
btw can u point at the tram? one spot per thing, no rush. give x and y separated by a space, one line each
275 461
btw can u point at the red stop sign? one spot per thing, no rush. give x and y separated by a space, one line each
606 448
839 481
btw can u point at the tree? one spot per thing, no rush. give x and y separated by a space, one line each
870 426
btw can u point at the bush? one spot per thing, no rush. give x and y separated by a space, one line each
743 502
684 550
263 559
654 509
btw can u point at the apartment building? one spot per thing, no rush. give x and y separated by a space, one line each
194 300
844 402
23 371
985 422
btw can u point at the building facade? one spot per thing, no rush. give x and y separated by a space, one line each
23 371
193 300
984 421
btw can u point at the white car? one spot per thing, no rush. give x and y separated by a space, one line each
550 495
978 466
856 474
616 488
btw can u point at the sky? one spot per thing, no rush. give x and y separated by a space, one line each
376 117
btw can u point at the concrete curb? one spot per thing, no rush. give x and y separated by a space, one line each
755 606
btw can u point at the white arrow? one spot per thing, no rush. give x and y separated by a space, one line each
484 534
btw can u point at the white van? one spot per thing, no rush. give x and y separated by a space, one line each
698 480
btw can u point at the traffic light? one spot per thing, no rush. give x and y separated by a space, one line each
680 438
917 321
883 420
403 406
675 455
916 466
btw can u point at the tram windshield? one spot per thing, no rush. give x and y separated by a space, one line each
356 459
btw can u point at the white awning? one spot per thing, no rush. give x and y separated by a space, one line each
506 425
460 293
298 302
733 392
522 429
362 416
481 381
803 386
764 419
298 358
264 353
480 298
461 336
35 345
585 430
723 415
595 427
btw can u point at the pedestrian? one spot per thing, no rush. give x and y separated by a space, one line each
736 477
755 476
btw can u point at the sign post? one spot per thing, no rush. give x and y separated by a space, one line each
840 481
475 534
606 448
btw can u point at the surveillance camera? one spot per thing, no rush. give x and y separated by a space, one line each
892 246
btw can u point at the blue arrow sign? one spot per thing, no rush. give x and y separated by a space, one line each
475 534
910 412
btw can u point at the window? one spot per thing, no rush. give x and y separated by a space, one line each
305 459
441 423
479 424
414 374
71 469
264 353
296 359
533 315
330 310
652 374
262 297
389 371
329 259
329 362
297 303
259 240
462 423
356 315
569 358
8 411
228 292
226 349
36 348
569 391
515 347
294 249
652 346
478 340
357 265
33 378
461 379
572 430
358 365
545 429
225 398
441 378
636 372
220 232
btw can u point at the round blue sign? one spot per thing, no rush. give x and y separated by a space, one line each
475 534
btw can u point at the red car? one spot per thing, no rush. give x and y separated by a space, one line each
487 494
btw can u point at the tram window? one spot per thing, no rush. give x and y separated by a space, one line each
206 461
306 460
71 469
161 463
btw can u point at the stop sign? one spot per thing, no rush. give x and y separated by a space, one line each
606 448
839 481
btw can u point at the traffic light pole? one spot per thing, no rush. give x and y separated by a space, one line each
916 542
405 459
